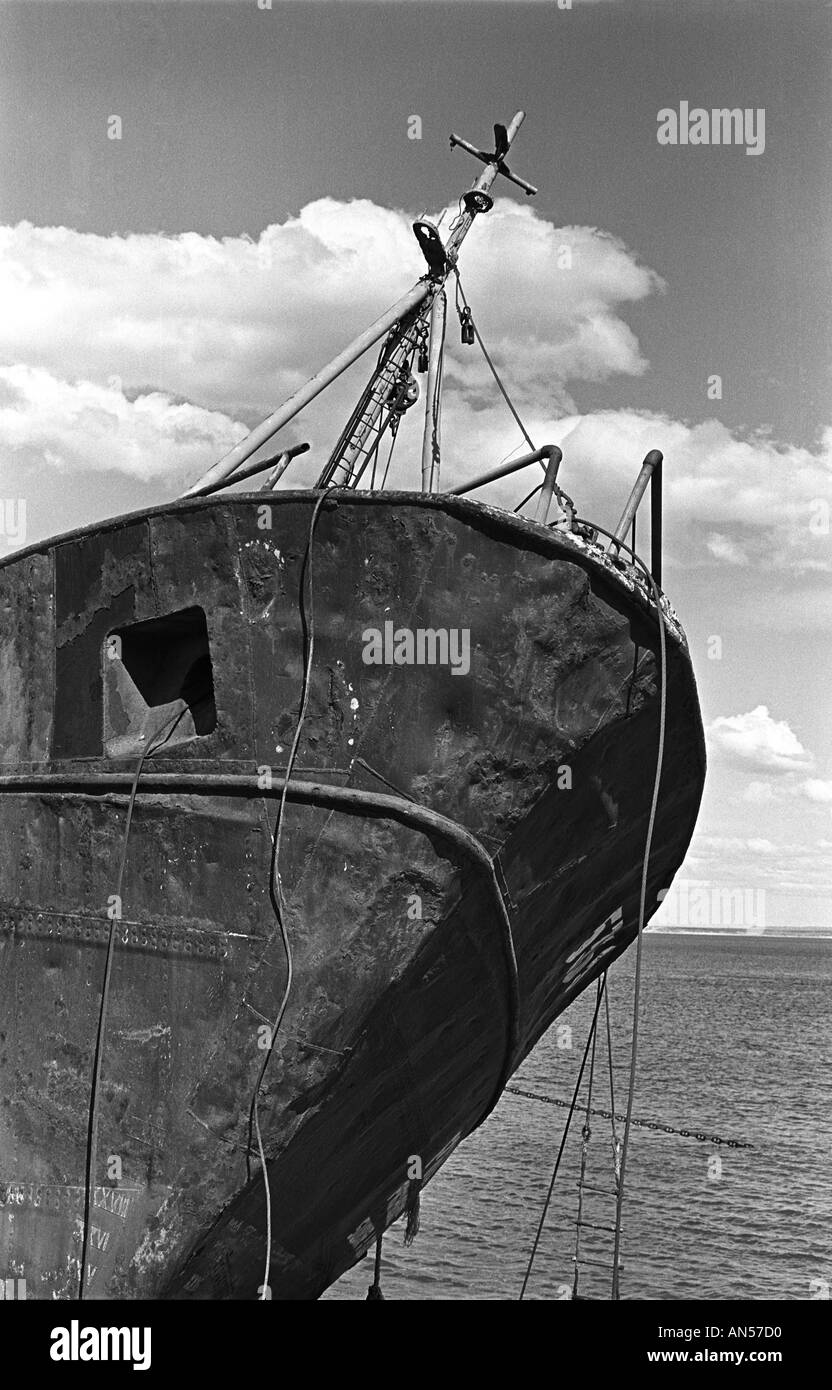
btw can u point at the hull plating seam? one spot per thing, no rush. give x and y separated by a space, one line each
348 799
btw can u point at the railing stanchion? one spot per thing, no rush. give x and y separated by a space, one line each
656 524
652 461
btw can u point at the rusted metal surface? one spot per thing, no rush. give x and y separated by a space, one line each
396 1028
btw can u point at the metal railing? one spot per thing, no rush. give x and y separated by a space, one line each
550 456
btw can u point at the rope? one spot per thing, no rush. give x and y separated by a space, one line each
389 459
533 493
561 496
639 941
436 405
386 781
276 887
393 419
616 1144
92 1118
396 338
643 897
486 355
374 457
586 1133
374 1294
564 1137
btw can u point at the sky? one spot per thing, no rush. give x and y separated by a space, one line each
201 203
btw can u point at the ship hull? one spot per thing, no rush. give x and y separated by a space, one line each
461 854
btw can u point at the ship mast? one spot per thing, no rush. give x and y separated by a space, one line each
406 327
476 200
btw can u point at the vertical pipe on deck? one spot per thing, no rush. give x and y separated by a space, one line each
544 501
652 461
656 523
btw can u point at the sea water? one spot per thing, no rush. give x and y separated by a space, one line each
735 1041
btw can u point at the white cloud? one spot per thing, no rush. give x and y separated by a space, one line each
788 788
231 327
758 741
143 352
817 790
85 425
723 548
236 325
789 866
757 845
759 793
741 501
735 844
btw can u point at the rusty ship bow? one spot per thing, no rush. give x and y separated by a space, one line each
318 807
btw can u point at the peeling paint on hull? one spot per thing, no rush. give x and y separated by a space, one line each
396 1030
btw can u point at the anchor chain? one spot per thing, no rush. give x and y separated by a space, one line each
699 1135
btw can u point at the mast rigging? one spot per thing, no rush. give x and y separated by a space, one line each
411 309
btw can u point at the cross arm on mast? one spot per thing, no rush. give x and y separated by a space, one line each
501 148
494 165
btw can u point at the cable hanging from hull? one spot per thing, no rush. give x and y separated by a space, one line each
620 1150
